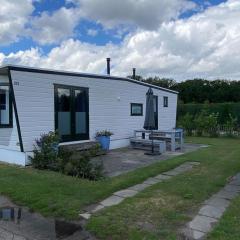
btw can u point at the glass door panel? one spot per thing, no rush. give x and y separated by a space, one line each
64 111
80 112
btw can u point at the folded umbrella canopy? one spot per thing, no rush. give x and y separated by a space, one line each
149 123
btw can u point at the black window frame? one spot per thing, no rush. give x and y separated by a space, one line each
72 137
10 124
136 104
165 101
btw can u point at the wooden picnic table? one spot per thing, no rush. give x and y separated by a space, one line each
174 136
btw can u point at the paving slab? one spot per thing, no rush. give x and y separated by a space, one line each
194 163
125 193
16 237
235 180
211 211
183 168
202 223
111 201
163 177
152 181
232 188
97 208
85 215
171 173
218 202
139 187
193 234
226 194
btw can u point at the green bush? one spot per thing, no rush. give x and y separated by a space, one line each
46 151
48 155
231 125
224 110
211 124
187 123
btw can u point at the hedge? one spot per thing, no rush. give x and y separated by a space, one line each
223 109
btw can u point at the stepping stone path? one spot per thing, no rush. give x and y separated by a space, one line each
119 196
212 210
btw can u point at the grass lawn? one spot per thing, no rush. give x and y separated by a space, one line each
54 194
160 211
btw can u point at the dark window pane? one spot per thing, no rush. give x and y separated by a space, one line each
136 109
64 112
80 111
165 101
4 105
2 100
63 100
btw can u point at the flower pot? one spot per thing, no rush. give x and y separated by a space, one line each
104 142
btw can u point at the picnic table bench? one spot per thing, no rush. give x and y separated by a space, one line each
138 143
173 137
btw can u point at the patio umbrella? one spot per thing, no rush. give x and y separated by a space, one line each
149 123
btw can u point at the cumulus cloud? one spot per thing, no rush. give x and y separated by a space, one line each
205 45
92 32
146 14
53 28
13 18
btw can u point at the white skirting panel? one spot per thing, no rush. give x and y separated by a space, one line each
13 157
120 143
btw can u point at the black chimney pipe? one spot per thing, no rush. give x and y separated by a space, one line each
108 66
134 73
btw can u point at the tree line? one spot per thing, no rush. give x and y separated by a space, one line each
199 90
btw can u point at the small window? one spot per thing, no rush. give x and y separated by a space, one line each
136 109
5 106
165 101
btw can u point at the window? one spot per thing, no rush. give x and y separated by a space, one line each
136 109
165 101
5 106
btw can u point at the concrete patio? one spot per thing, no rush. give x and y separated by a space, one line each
119 161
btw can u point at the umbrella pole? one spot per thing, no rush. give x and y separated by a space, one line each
152 142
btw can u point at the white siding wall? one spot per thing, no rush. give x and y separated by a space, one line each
9 136
34 95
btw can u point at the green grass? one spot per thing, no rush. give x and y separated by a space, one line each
162 210
54 194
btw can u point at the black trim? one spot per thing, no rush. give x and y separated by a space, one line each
72 136
25 69
156 117
15 110
137 104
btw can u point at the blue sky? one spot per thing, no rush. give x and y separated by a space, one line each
174 38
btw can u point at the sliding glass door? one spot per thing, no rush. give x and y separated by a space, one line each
71 112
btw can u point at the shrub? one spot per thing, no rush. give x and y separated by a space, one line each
211 124
231 125
46 151
47 155
83 167
187 123
200 123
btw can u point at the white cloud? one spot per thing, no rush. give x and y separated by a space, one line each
92 32
13 17
205 45
146 14
53 28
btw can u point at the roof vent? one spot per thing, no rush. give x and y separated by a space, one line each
134 73
108 66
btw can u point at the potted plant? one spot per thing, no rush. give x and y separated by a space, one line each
103 137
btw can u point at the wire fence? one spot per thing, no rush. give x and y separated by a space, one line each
218 131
